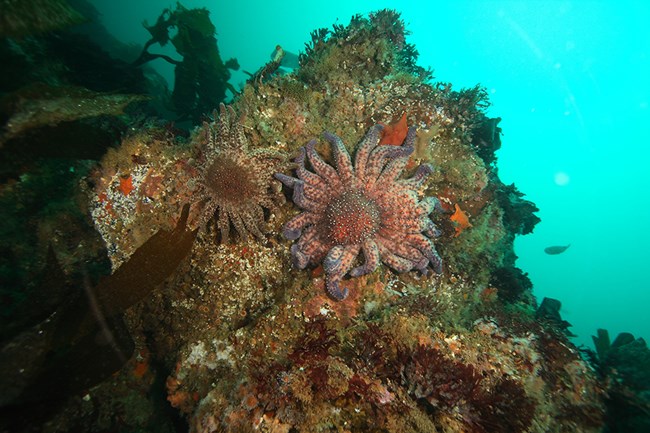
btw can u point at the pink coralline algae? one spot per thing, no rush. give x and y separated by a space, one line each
363 207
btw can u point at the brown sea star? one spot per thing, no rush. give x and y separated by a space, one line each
236 183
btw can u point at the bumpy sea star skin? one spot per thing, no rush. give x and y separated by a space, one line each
363 207
235 183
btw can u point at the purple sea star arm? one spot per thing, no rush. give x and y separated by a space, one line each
425 245
436 262
336 264
316 188
396 165
372 256
379 157
341 158
397 263
286 180
401 249
418 178
323 169
311 245
431 230
300 260
304 202
306 175
429 204
293 228
410 137
393 169
369 142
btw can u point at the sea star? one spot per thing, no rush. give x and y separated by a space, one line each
361 207
236 183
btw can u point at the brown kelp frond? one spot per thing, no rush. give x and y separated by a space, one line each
85 340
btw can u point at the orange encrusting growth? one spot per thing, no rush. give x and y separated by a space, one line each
395 132
126 185
460 220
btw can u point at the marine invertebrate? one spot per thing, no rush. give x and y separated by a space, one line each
361 207
395 133
460 220
236 182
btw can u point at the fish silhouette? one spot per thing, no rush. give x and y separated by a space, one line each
556 249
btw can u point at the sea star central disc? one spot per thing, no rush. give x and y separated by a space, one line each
351 218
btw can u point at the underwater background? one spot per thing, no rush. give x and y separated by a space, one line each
336 217
569 80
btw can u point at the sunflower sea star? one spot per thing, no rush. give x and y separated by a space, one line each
236 183
365 207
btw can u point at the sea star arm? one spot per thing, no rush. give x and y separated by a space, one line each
429 204
341 158
336 264
380 156
304 202
372 256
310 178
418 178
425 245
293 228
369 142
323 169
399 264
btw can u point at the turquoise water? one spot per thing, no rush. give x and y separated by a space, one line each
570 81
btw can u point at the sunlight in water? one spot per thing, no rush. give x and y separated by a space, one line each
561 178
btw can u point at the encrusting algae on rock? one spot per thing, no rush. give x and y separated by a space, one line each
244 333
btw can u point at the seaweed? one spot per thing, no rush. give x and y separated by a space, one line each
430 376
441 384
512 283
549 312
315 343
368 48
84 340
269 69
519 215
318 38
503 409
486 139
201 78
624 366
40 213
148 267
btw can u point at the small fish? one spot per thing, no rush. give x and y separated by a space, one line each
557 249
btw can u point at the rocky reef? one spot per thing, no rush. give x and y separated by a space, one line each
248 333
